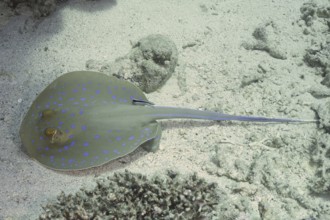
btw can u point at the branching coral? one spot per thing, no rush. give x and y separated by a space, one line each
133 196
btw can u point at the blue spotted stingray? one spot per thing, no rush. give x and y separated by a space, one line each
86 119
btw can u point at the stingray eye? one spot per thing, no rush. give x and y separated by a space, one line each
50 132
48 113
56 136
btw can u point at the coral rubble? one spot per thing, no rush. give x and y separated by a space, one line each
134 196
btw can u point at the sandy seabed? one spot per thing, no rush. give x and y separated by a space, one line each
239 57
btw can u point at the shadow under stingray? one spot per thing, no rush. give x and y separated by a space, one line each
93 5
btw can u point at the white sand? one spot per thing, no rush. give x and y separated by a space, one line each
214 69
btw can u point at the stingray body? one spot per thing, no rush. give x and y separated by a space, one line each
85 119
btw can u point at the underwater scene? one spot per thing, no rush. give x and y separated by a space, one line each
118 109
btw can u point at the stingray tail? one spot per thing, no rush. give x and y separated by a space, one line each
163 112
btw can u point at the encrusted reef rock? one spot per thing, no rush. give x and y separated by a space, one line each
267 37
148 65
310 11
321 151
40 8
319 58
133 196
321 156
156 57
316 21
323 112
